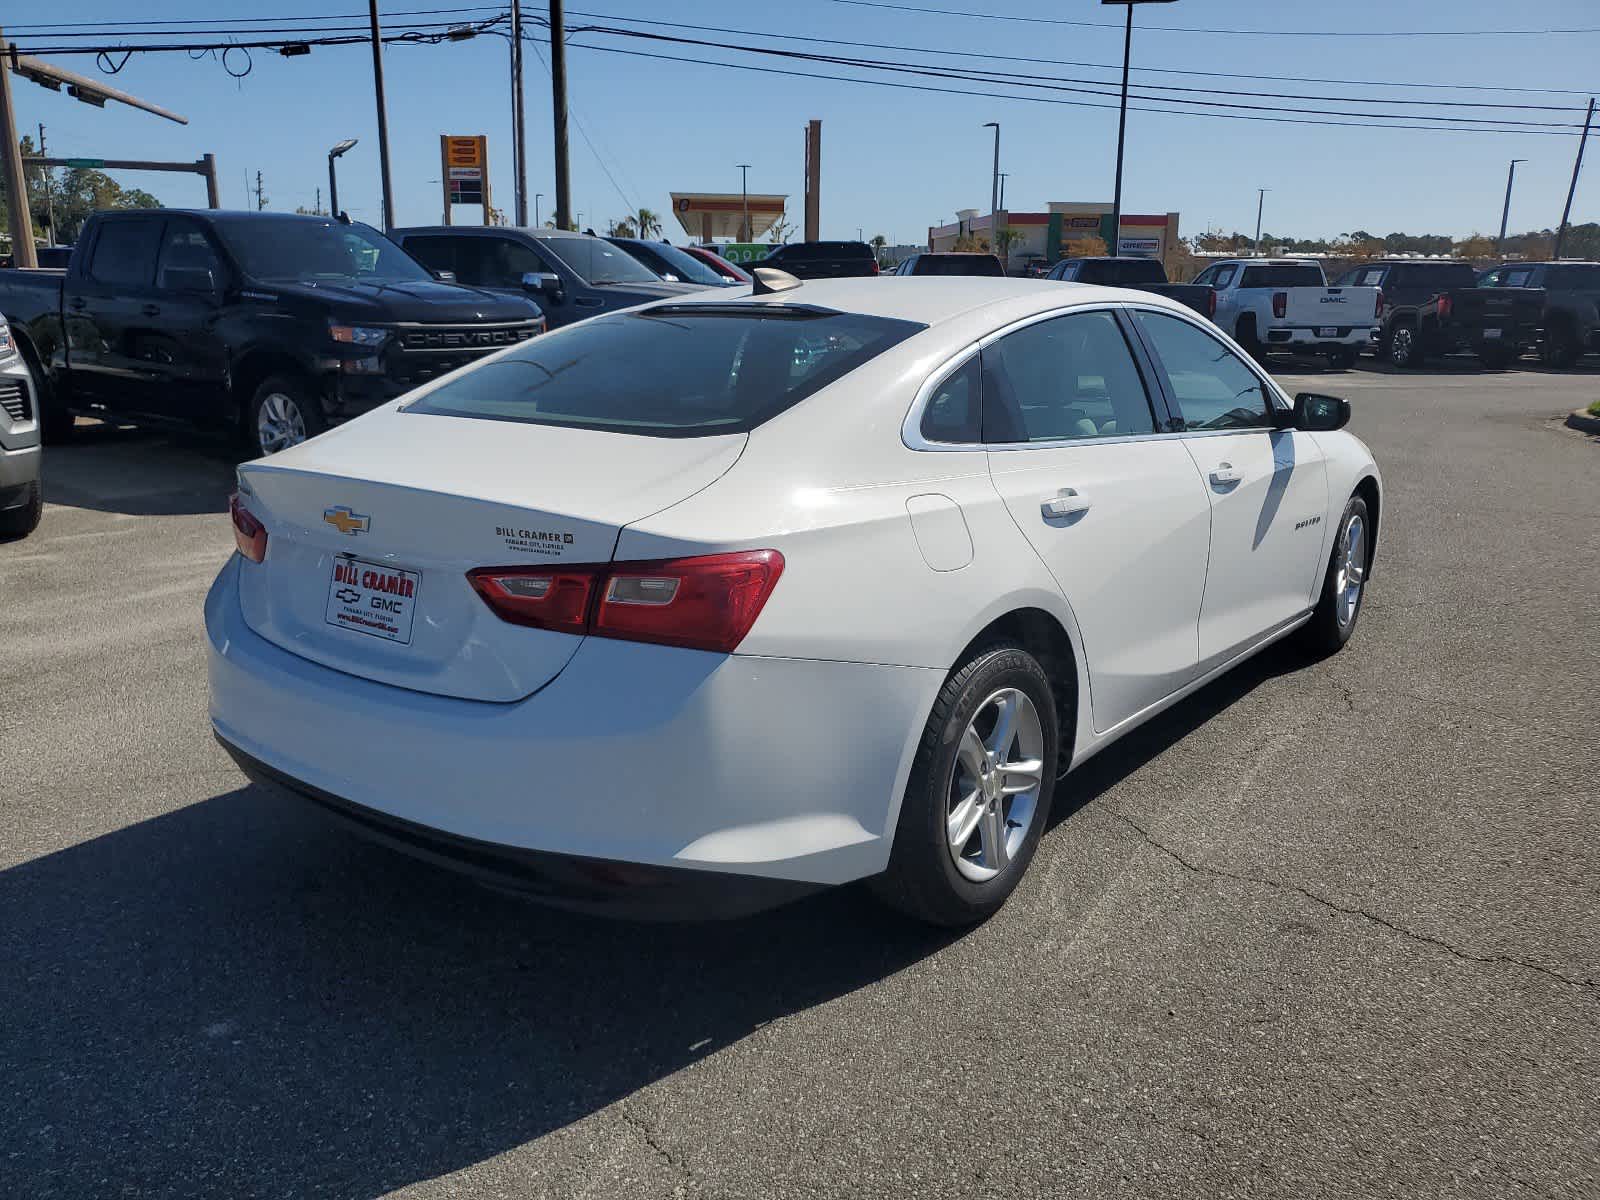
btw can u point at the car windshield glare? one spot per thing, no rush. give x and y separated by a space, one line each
596 260
675 371
293 248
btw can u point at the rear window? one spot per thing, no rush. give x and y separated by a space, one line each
670 371
1435 275
958 264
819 250
1282 275
1112 272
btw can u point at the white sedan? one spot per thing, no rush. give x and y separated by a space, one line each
700 605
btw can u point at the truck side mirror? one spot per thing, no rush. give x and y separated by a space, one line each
445 276
548 283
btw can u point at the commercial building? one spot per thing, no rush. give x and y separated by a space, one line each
1047 234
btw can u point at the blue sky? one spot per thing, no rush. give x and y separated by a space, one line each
893 161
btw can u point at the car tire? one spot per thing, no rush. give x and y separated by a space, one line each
961 845
20 522
1245 334
284 411
1405 347
1343 359
1344 586
1559 347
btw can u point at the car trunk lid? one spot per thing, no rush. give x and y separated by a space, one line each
370 538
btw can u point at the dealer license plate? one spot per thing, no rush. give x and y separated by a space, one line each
1328 331
372 598
1491 334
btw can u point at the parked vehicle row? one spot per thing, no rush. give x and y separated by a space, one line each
1140 274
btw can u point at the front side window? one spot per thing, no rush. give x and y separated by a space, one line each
1212 385
596 260
1207 277
125 253
1224 276
1065 378
671 370
188 263
496 262
1518 277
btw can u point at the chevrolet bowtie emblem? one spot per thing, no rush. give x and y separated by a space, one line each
345 521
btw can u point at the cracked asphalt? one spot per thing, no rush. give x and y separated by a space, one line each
1324 930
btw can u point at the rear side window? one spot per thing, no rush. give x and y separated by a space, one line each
125 253
1066 378
1282 275
954 410
670 371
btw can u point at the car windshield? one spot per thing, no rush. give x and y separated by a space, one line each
596 260
685 266
294 248
670 371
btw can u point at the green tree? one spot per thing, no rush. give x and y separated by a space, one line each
623 228
73 194
649 224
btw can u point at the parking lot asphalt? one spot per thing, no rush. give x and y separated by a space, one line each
1323 930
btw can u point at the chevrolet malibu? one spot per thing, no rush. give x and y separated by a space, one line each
694 607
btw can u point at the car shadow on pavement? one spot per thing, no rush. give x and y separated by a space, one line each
237 998
139 471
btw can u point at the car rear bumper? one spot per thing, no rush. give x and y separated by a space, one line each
1311 337
781 769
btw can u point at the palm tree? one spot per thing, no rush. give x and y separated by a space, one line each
622 228
649 223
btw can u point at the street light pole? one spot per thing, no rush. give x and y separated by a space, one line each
1261 202
994 189
537 196
333 175
1122 119
1505 212
744 192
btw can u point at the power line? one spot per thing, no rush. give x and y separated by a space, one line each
1367 124
1348 33
1067 62
400 12
1097 88
584 133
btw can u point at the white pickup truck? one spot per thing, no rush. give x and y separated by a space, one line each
1286 304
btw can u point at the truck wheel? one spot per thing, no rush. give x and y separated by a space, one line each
20 522
284 412
1405 347
1559 348
1343 358
1245 334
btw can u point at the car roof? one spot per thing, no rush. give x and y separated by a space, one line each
932 299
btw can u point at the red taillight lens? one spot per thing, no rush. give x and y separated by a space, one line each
1280 304
544 597
875 267
249 534
1377 313
703 603
1211 303
1445 306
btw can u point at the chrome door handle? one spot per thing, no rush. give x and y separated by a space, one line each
1225 473
1065 503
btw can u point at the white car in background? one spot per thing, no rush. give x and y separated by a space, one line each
699 605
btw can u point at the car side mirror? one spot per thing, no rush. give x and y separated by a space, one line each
445 276
546 282
1316 413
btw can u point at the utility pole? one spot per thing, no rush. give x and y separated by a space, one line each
994 188
318 209
744 191
558 112
260 200
16 182
49 190
383 116
1003 175
1261 202
1505 212
519 145
1577 165
537 196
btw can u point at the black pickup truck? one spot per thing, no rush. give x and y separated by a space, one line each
1434 308
269 324
1140 274
1570 296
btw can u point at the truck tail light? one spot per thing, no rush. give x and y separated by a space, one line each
1280 304
1446 305
1377 311
1211 302
704 603
249 534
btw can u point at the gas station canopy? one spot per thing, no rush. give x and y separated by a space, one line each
708 215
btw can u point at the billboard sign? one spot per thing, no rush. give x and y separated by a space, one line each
464 161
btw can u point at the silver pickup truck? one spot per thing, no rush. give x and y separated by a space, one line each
1286 304
21 502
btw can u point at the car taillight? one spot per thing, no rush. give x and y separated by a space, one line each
249 534
1445 305
875 267
1280 304
1377 312
703 603
1211 303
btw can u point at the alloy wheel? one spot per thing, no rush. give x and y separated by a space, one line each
1400 346
280 423
1352 571
994 785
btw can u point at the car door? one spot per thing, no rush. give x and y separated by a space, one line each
185 351
1116 512
1268 486
109 312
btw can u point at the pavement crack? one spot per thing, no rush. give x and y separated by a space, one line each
1348 910
650 1139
